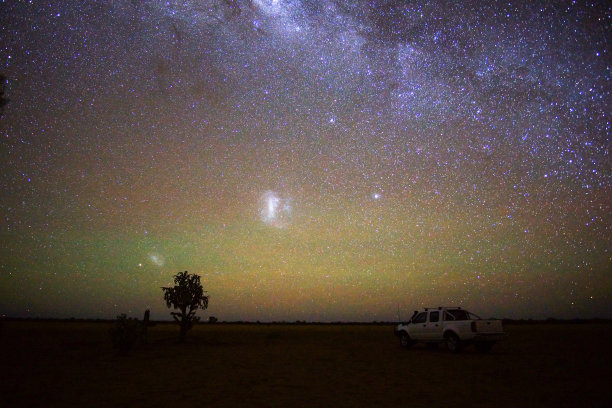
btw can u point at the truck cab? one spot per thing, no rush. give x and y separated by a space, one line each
427 325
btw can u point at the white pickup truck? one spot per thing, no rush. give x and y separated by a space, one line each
452 325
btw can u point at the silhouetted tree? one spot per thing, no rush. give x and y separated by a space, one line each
187 296
3 100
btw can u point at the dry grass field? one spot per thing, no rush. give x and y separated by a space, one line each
52 364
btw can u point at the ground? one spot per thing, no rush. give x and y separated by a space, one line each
73 364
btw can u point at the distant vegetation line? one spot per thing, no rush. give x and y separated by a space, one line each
549 320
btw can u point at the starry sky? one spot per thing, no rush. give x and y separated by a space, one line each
310 160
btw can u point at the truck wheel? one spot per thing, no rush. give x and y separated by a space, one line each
484 347
453 343
405 340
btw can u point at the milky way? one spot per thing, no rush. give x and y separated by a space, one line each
311 160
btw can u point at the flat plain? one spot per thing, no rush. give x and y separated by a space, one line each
61 364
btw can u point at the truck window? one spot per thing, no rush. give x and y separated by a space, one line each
434 316
420 318
456 314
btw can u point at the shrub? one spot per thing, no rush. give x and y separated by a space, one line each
125 333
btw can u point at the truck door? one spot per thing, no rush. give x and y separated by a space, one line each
433 328
419 326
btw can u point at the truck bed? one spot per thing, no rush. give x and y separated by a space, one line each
488 326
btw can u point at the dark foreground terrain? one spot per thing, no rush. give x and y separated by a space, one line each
51 364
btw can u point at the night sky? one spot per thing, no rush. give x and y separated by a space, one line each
311 160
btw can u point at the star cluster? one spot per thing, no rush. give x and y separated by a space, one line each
312 160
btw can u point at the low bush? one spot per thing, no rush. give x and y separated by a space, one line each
125 333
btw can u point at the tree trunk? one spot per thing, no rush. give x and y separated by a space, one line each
184 328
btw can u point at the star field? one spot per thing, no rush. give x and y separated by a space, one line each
311 160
